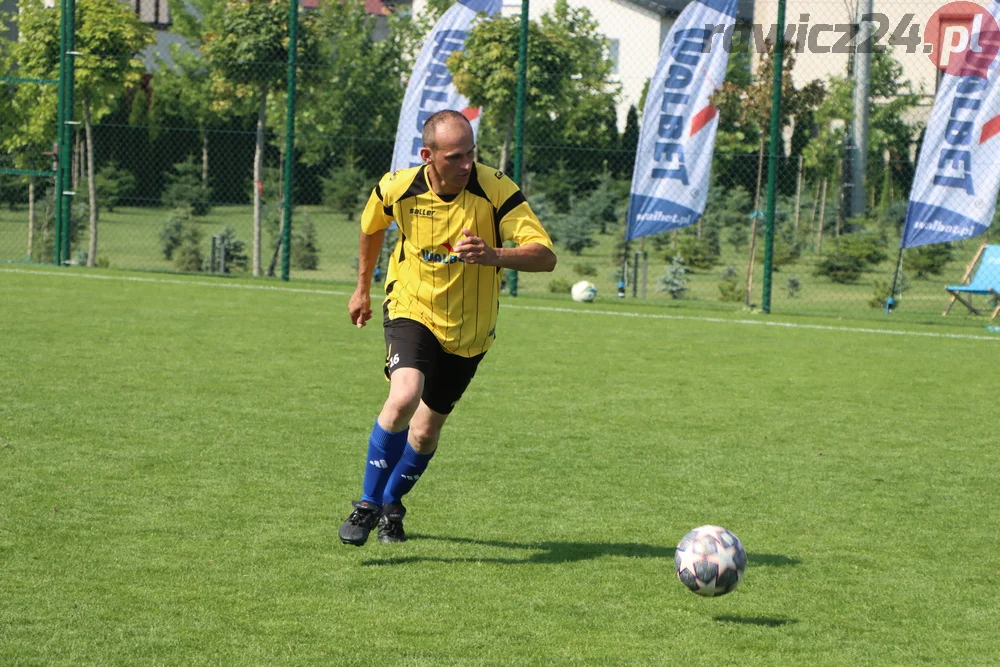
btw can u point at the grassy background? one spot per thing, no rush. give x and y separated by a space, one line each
129 239
176 457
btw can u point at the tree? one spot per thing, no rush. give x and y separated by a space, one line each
28 127
248 56
350 108
185 92
486 73
109 36
585 128
889 134
113 185
745 111
625 163
570 97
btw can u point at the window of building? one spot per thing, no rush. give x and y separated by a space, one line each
613 54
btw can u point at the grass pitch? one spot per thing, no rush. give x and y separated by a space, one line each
176 455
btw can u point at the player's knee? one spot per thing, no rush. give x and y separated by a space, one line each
423 439
399 408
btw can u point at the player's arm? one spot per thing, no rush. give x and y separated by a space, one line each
529 257
374 221
360 306
519 224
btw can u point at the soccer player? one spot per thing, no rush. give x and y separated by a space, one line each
440 311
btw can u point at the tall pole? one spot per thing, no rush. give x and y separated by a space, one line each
61 153
522 87
67 129
772 159
862 86
286 229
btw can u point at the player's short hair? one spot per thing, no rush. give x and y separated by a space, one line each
438 118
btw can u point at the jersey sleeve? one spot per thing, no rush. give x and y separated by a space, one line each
518 223
377 216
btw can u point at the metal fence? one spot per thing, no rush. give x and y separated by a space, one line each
176 151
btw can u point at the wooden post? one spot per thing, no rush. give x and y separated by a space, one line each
753 226
822 215
31 215
798 200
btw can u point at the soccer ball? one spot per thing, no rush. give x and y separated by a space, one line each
584 291
710 561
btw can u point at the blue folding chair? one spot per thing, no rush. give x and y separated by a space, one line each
986 280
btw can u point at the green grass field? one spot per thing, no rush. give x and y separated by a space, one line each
129 239
177 453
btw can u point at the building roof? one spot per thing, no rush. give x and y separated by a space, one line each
744 8
375 7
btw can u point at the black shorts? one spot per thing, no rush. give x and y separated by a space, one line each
410 344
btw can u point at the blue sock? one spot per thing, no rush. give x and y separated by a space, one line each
405 474
384 450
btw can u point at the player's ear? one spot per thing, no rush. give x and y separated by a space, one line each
425 154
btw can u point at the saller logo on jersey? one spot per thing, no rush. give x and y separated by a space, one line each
425 212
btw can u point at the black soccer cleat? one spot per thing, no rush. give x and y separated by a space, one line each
364 517
390 525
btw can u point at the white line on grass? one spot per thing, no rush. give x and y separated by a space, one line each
169 281
550 309
787 325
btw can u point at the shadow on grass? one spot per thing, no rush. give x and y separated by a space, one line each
766 621
547 553
771 560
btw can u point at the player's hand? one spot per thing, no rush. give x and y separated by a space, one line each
360 307
474 250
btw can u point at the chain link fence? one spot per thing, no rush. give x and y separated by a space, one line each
178 147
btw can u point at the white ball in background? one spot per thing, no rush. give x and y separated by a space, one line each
584 291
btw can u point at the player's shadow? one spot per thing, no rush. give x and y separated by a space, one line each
766 621
548 553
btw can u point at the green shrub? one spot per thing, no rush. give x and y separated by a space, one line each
868 246
675 280
560 286
574 232
928 260
305 252
236 250
113 185
344 189
188 256
793 286
843 269
883 290
699 253
170 234
731 289
13 191
585 270
185 191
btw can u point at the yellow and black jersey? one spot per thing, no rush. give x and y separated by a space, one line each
426 280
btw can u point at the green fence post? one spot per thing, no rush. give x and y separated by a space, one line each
522 77
65 200
286 230
61 119
772 159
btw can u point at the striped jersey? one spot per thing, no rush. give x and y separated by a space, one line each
426 281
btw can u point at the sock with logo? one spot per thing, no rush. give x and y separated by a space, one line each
384 450
405 474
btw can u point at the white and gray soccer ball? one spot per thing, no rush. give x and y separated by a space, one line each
710 561
584 291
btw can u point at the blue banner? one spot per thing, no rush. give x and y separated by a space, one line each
674 156
430 87
955 186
